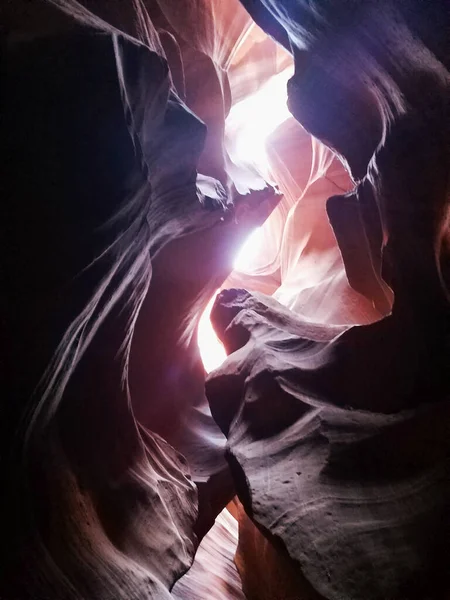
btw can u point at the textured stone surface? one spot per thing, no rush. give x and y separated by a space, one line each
120 221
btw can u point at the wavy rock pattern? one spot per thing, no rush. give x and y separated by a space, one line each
351 491
308 409
120 221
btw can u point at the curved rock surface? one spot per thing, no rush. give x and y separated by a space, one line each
124 207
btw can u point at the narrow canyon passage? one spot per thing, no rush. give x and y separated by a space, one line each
225 288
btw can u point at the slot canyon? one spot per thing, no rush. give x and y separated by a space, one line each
225 300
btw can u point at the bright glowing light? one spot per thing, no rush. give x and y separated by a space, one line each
252 120
248 254
248 126
211 348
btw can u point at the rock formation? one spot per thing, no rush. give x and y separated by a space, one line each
326 430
